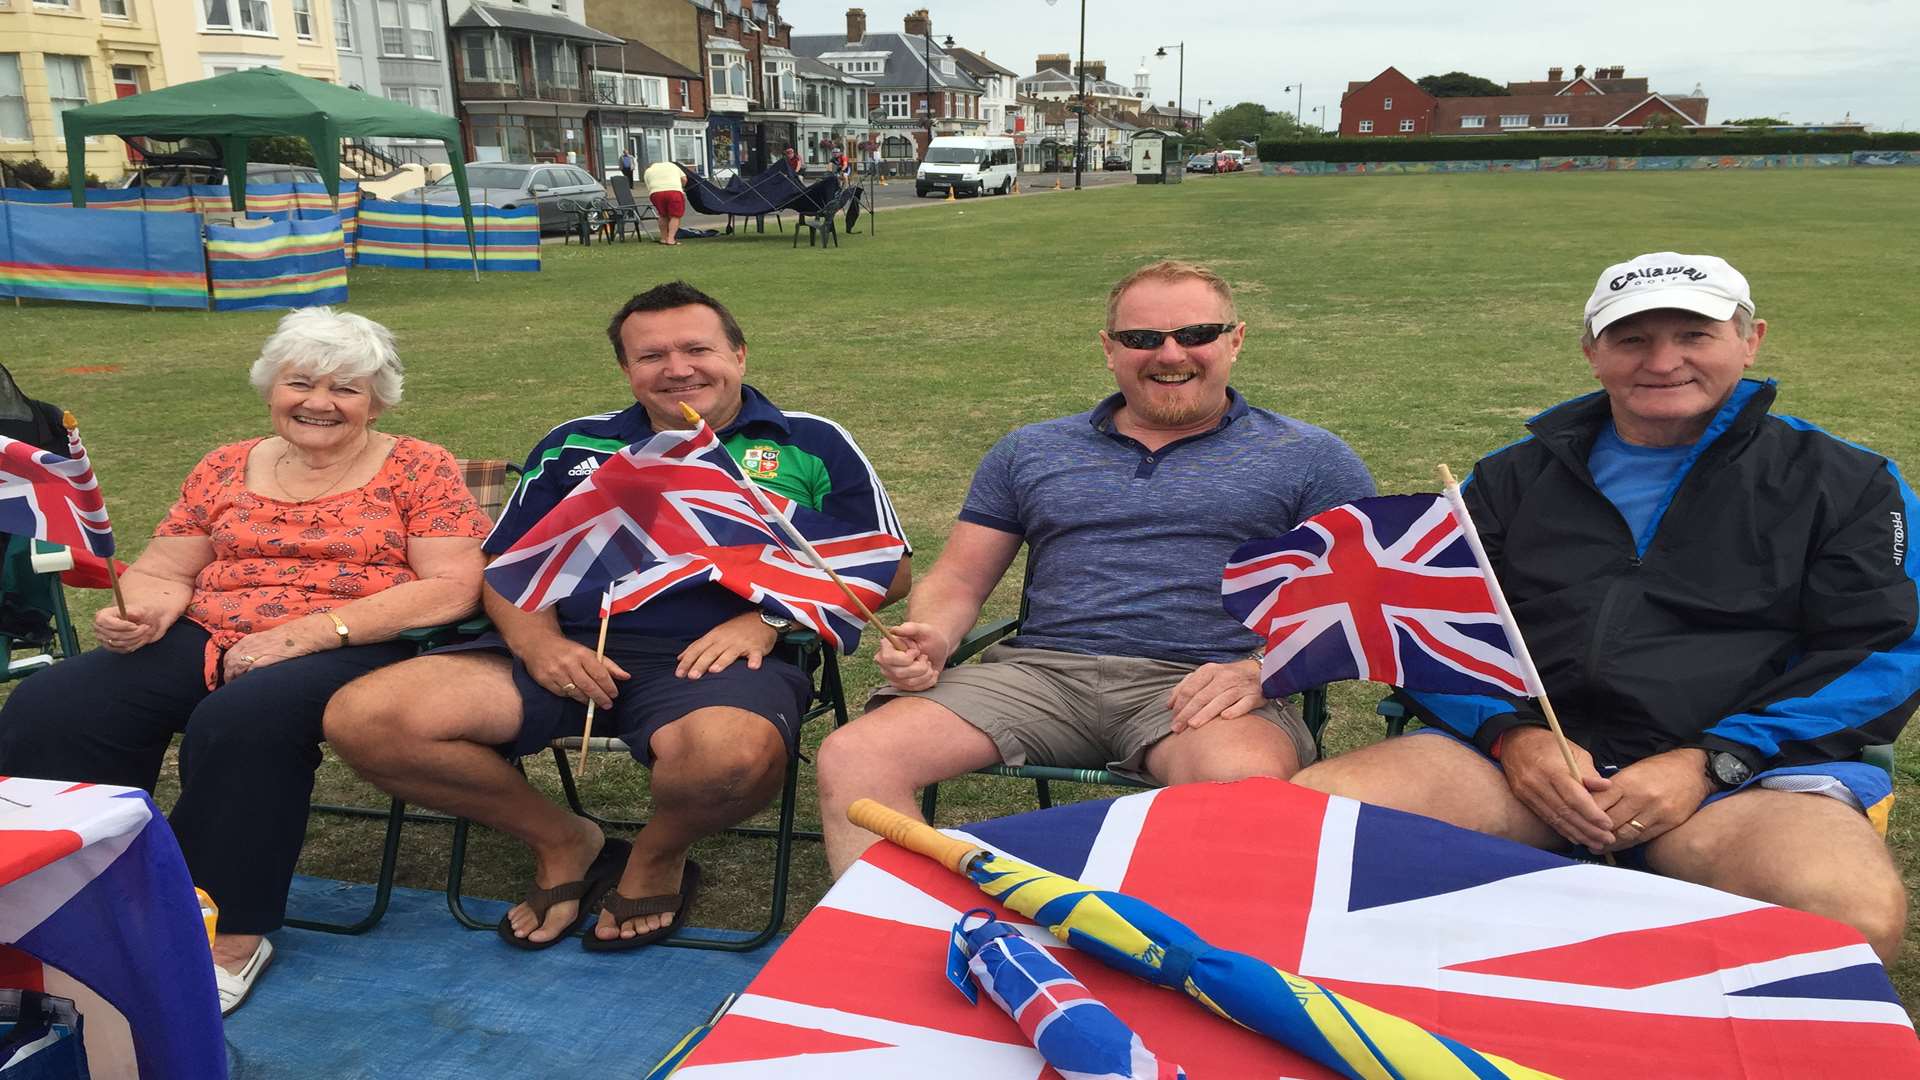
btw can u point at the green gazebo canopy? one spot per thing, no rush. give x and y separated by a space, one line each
230 109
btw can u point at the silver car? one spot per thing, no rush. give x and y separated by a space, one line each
507 185
181 174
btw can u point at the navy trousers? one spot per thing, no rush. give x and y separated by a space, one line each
246 761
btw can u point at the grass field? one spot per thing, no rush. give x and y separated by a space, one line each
1422 318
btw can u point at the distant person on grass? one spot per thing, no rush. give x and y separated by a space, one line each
691 682
1126 661
1722 603
666 183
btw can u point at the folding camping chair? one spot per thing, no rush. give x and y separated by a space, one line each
491 481
629 212
820 224
828 697
1313 710
33 607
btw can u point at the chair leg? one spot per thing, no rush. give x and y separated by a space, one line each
1043 794
782 864
456 873
383 889
929 802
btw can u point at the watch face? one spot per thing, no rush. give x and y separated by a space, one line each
1728 769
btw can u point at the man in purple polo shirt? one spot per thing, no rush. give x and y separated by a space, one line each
1126 659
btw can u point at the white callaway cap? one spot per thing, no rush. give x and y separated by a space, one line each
1703 284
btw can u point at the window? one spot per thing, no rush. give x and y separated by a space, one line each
422 29
1406 125
1366 126
895 104
249 16
686 95
897 146
303 19
737 77
719 16
343 25
13 100
687 145
426 97
1473 121
66 83
554 63
393 31
1554 120
1513 120
66 5
1388 106
717 65
486 57
401 94
113 9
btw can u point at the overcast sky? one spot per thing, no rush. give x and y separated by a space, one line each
1804 61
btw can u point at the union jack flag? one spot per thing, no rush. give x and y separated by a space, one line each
53 498
92 883
1387 589
1575 969
675 512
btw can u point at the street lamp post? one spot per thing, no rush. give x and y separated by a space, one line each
926 100
1299 92
1320 125
1080 124
1180 94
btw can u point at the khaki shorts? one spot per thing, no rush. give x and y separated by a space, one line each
1074 711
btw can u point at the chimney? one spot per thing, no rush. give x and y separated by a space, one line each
856 24
1096 69
1554 73
918 24
1054 60
1579 71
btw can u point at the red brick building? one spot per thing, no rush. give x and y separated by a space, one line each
1392 104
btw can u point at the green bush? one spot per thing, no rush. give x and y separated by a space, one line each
29 173
1522 147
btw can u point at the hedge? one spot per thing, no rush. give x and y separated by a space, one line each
1521 147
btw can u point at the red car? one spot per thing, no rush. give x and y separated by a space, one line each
1226 163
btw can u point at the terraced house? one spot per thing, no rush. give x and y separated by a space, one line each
59 54
915 85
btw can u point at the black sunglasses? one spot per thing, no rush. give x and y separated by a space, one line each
1191 337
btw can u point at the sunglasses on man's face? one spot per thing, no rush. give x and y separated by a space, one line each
1191 337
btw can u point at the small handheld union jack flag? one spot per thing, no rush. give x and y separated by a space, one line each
53 498
675 512
1389 589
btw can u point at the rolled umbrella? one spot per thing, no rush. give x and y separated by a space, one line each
1078 1034
1353 1039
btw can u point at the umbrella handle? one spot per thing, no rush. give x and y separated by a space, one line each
915 836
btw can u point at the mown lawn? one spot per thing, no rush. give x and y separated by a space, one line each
1423 318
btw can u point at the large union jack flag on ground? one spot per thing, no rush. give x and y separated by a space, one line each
676 512
1575 969
1386 589
53 498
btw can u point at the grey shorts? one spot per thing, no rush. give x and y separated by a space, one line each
1047 707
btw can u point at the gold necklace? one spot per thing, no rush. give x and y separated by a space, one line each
350 462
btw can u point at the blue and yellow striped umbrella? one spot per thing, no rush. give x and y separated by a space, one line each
1353 1039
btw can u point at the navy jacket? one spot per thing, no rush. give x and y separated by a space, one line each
1772 612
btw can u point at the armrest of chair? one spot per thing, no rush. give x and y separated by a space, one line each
50 558
433 637
980 637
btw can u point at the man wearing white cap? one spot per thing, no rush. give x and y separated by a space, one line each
1721 605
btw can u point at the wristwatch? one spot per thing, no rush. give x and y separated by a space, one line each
1726 770
779 624
339 628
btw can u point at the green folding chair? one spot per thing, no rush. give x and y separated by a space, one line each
33 607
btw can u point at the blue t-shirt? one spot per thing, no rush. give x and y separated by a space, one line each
807 458
1126 546
1635 479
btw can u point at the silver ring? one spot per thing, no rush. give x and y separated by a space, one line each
247 660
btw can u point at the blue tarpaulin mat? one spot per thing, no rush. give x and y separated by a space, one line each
779 188
420 998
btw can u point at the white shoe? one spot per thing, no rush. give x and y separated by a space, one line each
235 988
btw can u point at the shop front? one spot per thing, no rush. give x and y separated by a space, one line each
528 131
726 145
646 134
765 140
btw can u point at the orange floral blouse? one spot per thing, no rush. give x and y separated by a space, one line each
274 562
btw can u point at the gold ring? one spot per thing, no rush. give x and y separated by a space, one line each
1635 822
247 660
569 688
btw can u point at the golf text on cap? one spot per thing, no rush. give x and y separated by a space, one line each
1631 276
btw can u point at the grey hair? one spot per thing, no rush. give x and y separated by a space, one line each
322 341
1742 325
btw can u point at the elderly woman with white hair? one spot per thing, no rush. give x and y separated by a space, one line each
287 568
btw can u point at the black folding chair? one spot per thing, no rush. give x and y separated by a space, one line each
631 213
820 224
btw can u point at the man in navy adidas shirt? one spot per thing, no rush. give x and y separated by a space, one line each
1722 608
690 682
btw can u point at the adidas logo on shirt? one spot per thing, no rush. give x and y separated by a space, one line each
585 468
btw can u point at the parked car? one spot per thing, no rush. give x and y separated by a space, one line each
1225 163
1202 163
507 185
967 165
1114 163
1238 157
182 174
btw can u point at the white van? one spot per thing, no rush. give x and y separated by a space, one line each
969 164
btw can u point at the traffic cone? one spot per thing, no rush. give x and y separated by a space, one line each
950 195
1056 183
1016 187
883 179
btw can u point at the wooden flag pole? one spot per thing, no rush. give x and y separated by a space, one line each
113 575
1528 672
769 509
599 653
